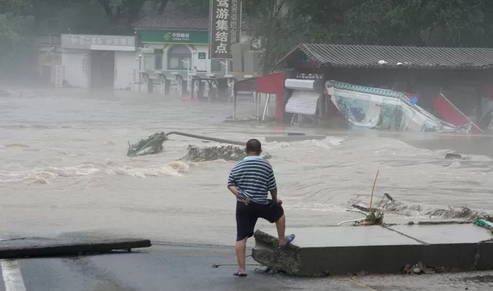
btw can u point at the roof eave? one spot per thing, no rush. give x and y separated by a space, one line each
288 55
417 67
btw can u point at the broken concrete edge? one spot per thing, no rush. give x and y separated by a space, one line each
266 252
38 247
371 259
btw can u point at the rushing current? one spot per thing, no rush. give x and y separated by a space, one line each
64 169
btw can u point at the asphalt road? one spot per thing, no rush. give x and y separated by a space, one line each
191 268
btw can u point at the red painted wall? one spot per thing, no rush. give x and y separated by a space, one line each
274 84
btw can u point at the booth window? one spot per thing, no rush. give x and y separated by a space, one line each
178 56
149 62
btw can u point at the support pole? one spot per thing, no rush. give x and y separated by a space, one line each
266 107
220 140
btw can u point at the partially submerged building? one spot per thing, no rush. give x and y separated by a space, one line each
427 74
97 62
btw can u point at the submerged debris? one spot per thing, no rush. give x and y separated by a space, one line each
219 152
453 156
152 145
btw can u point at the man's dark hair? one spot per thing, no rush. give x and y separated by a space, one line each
254 146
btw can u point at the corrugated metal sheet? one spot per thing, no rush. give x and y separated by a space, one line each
372 56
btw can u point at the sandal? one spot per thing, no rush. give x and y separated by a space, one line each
289 239
237 273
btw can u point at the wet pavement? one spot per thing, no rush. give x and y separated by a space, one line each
191 268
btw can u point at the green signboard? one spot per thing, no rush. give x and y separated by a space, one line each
202 56
175 37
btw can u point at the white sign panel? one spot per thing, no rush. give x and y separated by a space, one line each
98 42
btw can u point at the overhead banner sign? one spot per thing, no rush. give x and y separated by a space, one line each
225 29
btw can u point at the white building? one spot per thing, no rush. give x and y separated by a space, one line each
174 47
98 61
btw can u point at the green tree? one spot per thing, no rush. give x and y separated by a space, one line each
122 14
463 23
15 23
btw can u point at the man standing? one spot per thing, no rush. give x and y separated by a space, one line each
250 181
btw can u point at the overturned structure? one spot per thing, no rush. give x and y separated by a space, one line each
151 145
384 109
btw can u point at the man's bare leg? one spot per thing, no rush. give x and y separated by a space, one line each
241 255
281 230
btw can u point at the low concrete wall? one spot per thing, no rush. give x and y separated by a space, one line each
376 249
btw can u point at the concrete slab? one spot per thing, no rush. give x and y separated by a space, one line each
42 247
375 249
318 237
445 234
285 138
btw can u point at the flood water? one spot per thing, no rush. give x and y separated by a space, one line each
64 169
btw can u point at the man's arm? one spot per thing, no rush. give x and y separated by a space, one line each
273 193
234 190
273 186
233 187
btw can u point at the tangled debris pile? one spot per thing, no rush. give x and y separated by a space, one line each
375 217
390 205
152 145
218 152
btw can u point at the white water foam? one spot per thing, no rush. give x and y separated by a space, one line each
48 174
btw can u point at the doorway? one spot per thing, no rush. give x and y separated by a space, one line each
102 69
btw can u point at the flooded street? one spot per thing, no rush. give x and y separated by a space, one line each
64 169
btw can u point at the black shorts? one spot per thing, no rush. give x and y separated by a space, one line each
247 216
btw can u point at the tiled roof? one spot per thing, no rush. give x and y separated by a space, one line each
175 18
162 23
201 24
372 56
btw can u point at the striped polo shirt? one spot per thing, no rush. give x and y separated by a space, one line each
254 178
